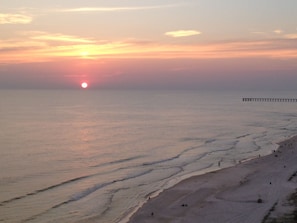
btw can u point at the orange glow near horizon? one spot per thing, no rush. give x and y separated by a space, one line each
51 45
28 52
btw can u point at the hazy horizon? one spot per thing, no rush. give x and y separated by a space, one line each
149 45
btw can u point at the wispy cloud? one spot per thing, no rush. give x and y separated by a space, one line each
58 37
15 19
278 31
182 33
115 9
37 46
291 36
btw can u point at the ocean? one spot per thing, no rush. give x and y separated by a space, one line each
97 155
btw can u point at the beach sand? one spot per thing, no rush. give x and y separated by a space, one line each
255 191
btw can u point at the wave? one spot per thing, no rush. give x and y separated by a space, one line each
171 158
118 161
198 156
210 141
242 136
90 190
161 161
206 141
87 192
42 190
256 146
191 139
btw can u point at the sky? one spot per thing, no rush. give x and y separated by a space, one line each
168 44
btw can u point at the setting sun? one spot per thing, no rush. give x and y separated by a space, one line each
85 54
84 85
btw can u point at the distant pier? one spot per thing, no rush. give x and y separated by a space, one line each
269 99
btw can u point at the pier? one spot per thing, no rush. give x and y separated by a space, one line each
269 99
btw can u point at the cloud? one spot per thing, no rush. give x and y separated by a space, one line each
115 9
44 36
278 31
15 19
37 46
291 36
20 43
182 33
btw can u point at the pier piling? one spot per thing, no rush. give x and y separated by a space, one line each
269 99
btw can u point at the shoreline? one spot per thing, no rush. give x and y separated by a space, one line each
253 191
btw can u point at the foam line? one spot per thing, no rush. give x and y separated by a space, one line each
118 161
42 190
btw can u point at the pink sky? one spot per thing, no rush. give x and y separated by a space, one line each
127 44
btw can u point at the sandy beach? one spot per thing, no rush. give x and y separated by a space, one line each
255 191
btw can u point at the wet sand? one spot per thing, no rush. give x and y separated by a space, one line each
251 192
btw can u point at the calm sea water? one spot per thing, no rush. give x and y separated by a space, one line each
95 156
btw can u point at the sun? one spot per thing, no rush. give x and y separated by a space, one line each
84 54
84 85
